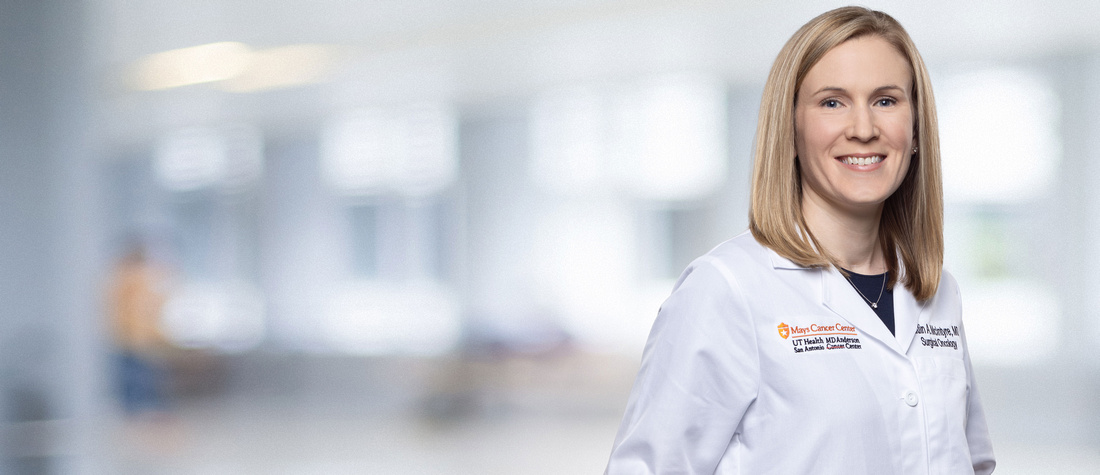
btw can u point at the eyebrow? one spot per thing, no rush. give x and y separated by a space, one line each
880 89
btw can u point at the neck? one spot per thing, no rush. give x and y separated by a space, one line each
849 236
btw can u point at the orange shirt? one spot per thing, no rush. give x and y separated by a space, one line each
136 303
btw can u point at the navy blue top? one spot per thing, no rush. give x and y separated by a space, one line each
870 285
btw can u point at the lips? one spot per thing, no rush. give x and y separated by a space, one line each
865 160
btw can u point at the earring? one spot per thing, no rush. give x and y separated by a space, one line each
914 150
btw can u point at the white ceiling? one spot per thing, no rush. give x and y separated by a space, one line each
483 51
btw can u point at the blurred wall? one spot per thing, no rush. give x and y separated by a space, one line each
48 239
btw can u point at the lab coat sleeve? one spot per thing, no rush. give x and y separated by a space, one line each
977 430
699 374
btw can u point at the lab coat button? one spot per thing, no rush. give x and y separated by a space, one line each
911 398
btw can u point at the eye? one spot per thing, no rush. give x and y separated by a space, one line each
886 101
830 103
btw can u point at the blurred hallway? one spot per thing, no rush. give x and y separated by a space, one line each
430 237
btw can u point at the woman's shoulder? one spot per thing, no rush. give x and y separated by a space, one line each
736 259
948 289
739 254
946 302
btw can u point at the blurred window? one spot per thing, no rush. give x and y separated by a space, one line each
408 150
999 132
396 238
662 139
1001 150
203 193
217 302
363 235
623 169
229 158
397 298
393 167
672 238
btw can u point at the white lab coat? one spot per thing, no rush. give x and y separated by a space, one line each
756 365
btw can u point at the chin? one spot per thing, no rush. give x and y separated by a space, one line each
865 202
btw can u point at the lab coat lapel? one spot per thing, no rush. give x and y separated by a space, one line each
839 296
906 315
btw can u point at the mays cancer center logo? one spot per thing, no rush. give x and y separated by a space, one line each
814 337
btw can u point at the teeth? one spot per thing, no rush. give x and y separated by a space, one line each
863 160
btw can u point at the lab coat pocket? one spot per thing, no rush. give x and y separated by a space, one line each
945 392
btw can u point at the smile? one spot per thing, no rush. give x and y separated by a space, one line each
862 160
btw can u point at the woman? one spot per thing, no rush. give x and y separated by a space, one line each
827 340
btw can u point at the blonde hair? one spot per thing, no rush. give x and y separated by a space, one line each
912 218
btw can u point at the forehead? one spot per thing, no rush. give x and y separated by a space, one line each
862 62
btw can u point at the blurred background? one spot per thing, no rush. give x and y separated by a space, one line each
424 237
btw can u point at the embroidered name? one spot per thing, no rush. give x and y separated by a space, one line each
938 337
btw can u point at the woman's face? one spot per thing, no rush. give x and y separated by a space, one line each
854 126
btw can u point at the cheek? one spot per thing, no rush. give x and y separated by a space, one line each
902 132
800 147
804 143
903 171
816 136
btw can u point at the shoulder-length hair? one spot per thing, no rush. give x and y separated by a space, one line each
912 218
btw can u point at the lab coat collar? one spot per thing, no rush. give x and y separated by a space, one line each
838 295
780 262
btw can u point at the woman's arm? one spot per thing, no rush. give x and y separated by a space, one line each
700 372
977 430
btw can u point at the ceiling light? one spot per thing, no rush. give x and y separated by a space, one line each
283 67
186 66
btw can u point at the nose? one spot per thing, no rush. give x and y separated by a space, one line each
862 125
